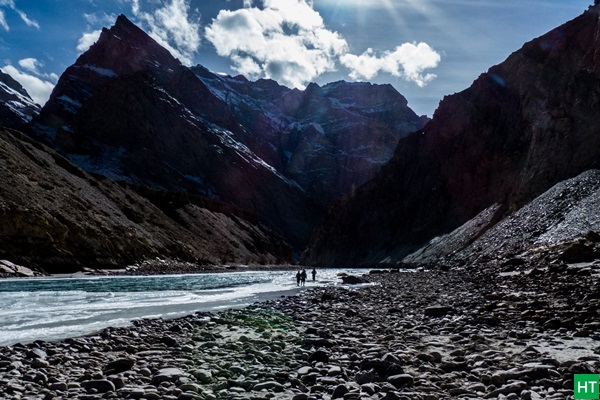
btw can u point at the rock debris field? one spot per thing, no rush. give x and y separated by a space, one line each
418 335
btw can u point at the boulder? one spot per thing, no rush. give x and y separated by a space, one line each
513 387
401 380
120 365
167 374
579 252
101 385
269 385
438 311
353 280
339 392
318 356
10 268
202 375
367 377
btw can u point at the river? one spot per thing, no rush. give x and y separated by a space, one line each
54 308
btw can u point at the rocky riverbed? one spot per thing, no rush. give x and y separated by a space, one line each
419 335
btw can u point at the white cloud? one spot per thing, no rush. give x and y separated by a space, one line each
174 26
285 40
28 21
30 64
39 89
3 21
87 40
11 4
408 61
33 65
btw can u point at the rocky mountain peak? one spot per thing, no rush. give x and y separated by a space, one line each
125 49
125 26
312 88
17 108
365 95
11 83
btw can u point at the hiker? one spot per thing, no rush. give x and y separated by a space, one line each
314 273
303 277
298 277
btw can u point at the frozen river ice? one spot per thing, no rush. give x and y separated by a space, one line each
61 307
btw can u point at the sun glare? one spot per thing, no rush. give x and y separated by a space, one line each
397 10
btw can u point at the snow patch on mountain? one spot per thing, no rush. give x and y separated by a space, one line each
227 139
101 71
17 108
70 105
24 107
24 100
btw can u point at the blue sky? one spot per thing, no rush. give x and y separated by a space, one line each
425 48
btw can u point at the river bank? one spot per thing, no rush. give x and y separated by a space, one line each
418 335
60 307
157 266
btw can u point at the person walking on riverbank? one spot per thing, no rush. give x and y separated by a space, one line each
313 273
298 277
303 277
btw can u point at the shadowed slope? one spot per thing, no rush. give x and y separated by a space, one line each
522 127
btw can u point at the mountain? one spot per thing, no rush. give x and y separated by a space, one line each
522 127
17 108
130 111
329 139
59 218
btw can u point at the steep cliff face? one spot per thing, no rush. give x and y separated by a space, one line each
130 111
522 127
61 219
17 108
